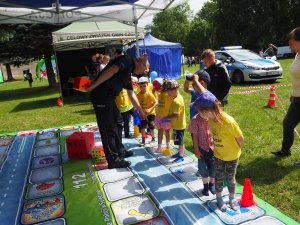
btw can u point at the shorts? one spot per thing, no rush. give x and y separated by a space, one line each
206 165
178 137
148 123
162 124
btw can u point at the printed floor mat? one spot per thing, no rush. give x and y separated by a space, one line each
235 217
40 185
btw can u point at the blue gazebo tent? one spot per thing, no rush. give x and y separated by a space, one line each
164 57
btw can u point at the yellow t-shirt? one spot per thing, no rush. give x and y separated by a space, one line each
146 101
224 133
177 107
123 102
163 104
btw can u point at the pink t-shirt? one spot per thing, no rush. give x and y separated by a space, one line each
200 128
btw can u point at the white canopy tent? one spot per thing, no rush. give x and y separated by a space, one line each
94 35
66 11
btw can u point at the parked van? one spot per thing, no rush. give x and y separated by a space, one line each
285 52
281 52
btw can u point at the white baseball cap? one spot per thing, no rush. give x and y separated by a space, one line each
143 80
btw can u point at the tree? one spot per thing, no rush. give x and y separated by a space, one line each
5 34
206 18
172 24
198 38
30 42
253 24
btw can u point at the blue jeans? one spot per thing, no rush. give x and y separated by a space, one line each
206 165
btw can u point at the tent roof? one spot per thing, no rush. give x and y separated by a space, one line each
94 34
47 3
68 11
151 41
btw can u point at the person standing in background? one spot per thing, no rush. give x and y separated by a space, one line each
29 78
292 118
91 67
219 78
105 61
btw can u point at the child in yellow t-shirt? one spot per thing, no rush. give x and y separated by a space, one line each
125 107
228 141
161 111
148 102
177 116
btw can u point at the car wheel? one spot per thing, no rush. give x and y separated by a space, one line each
238 77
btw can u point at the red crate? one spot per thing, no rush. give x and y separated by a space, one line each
79 145
81 83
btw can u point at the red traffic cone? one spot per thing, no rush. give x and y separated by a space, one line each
247 199
272 102
59 102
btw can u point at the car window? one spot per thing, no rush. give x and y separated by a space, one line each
224 56
244 55
217 55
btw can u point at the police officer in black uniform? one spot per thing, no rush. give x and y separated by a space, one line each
115 76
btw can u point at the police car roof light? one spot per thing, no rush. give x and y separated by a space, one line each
231 47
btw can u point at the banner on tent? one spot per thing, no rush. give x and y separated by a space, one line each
94 35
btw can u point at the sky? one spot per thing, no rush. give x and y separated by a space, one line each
195 5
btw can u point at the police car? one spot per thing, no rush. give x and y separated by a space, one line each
245 65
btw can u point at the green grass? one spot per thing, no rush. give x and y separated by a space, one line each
274 180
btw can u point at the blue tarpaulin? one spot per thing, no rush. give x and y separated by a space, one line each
164 57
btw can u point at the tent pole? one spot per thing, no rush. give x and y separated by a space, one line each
58 76
136 32
144 45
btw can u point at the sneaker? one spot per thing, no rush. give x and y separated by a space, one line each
119 163
221 205
234 205
175 156
128 153
178 159
281 153
142 144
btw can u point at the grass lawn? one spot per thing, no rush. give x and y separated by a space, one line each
274 180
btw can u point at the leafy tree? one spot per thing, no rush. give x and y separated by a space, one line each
5 34
255 23
198 38
206 16
30 42
172 24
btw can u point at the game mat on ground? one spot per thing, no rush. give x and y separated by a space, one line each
39 184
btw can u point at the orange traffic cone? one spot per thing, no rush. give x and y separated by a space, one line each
247 199
271 102
59 102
